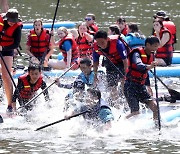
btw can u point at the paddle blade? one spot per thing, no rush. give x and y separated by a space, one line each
174 94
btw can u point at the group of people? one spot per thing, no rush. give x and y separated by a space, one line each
127 57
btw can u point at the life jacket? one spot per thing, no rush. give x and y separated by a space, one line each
125 30
28 92
39 44
84 47
167 50
113 54
135 41
1 23
89 81
95 112
133 74
172 28
93 27
75 53
7 36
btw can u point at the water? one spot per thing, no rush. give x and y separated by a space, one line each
133 136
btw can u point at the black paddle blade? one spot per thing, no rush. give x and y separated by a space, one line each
174 94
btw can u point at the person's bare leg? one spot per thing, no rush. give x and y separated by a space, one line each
4 5
154 109
132 114
6 78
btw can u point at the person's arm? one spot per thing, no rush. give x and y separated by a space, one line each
165 38
88 37
123 54
45 92
17 40
140 65
67 46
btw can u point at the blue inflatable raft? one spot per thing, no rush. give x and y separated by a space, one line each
67 24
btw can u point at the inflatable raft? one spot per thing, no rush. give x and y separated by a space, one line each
67 24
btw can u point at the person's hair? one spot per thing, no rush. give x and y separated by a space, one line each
121 20
86 61
64 29
36 20
160 22
133 27
151 40
82 24
115 29
34 67
91 15
100 34
95 92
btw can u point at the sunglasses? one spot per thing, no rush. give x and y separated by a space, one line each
88 19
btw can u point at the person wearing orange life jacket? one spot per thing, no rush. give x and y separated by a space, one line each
28 85
140 61
165 51
90 21
116 61
121 22
84 41
67 45
10 38
161 15
38 45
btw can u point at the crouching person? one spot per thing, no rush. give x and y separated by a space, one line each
28 85
99 111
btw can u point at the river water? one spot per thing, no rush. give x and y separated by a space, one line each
138 135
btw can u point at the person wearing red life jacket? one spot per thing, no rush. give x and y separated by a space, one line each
67 45
10 37
115 55
121 22
38 45
140 60
90 21
28 85
84 41
161 15
165 51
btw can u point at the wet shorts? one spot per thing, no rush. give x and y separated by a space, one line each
7 53
134 94
113 75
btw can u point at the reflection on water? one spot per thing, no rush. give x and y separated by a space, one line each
106 12
136 136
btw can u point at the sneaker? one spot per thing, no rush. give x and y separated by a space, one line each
9 109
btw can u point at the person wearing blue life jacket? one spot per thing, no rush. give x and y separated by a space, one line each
135 38
86 75
99 111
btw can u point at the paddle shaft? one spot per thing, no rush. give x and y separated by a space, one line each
112 63
54 18
157 100
75 115
7 70
159 80
46 88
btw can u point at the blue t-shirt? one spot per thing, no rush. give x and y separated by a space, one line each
120 48
66 46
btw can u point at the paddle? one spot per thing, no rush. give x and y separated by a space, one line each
7 70
75 115
46 88
174 94
55 13
112 63
157 100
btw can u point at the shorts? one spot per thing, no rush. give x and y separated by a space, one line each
7 53
168 60
134 94
113 75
